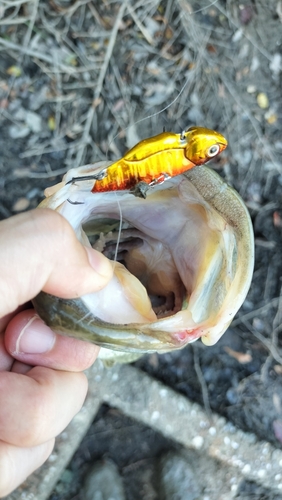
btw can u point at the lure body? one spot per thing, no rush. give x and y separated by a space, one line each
161 157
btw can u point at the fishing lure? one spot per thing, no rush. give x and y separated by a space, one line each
158 158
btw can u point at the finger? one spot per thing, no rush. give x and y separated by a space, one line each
16 464
5 319
39 405
6 360
30 341
39 250
19 367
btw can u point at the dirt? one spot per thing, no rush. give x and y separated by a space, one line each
77 86
116 437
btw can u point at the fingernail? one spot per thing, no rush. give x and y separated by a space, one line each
99 262
35 338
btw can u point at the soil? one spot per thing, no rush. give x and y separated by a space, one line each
78 85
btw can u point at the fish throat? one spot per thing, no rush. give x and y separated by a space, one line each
146 258
171 254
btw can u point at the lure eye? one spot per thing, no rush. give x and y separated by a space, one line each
213 150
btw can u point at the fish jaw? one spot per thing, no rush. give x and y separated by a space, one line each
203 225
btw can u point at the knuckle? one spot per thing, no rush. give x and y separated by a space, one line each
38 426
35 430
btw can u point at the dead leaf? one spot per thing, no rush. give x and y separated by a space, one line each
278 369
262 100
277 222
271 117
241 357
14 71
51 123
21 204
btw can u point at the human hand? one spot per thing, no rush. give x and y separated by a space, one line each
41 387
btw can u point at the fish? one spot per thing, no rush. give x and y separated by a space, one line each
182 257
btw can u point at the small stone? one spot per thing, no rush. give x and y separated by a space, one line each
155 415
177 478
21 204
237 35
251 89
246 469
103 482
33 120
261 473
276 64
67 476
198 442
212 431
18 131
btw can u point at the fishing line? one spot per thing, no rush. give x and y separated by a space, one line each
135 123
203 8
150 116
119 229
168 105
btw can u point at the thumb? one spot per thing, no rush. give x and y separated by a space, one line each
39 251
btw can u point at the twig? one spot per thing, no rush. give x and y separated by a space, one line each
142 28
244 317
45 149
97 92
31 23
40 175
35 53
265 368
48 59
246 35
109 51
58 112
18 20
250 117
202 381
266 342
16 3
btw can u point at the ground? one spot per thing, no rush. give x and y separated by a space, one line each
82 81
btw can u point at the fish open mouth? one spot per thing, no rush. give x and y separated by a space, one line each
149 260
182 257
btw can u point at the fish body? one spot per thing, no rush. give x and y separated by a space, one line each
183 269
161 157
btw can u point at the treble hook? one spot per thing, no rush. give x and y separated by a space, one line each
97 177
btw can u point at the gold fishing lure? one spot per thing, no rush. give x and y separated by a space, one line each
158 158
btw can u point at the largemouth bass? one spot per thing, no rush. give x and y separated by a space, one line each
183 266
